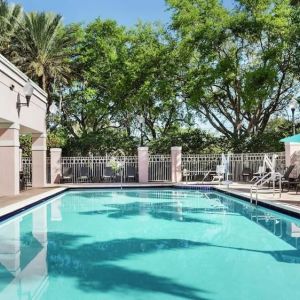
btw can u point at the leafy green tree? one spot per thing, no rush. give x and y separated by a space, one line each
26 144
153 81
125 73
10 17
89 104
43 50
238 63
269 140
193 141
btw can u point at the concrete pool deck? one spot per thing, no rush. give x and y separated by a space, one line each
289 201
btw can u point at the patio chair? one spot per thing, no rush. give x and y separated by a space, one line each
246 173
291 182
297 188
285 178
259 174
84 174
185 174
108 174
220 171
131 173
22 179
67 175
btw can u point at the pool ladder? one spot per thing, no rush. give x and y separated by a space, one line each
271 176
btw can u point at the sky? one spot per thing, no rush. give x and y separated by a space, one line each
125 12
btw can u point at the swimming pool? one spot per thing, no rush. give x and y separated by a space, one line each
149 244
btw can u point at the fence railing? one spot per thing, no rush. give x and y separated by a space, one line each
159 168
27 169
199 165
96 166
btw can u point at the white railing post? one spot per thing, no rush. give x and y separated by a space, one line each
55 165
21 159
143 164
176 164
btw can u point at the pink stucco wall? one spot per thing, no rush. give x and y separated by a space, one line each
9 160
30 120
143 163
176 164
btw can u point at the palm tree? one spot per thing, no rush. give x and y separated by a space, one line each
10 17
42 50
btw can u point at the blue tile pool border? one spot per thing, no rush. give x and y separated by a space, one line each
264 204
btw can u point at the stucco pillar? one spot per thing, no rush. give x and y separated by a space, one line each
143 163
292 156
290 150
9 159
39 178
176 164
55 161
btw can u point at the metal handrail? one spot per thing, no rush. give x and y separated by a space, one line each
265 179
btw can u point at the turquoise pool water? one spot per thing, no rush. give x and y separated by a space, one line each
149 244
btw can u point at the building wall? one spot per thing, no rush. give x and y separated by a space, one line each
32 118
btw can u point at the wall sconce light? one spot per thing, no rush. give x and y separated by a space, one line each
28 92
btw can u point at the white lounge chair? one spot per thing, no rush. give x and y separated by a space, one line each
259 174
220 170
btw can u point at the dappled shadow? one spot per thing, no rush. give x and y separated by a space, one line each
114 249
109 277
171 211
89 264
286 256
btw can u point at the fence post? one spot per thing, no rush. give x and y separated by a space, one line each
176 164
55 165
143 164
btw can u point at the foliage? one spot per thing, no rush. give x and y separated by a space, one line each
10 17
238 63
269 140
42 49
125 73
155 88
107 142
56 140
194 141
114 164
233 69
25 145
